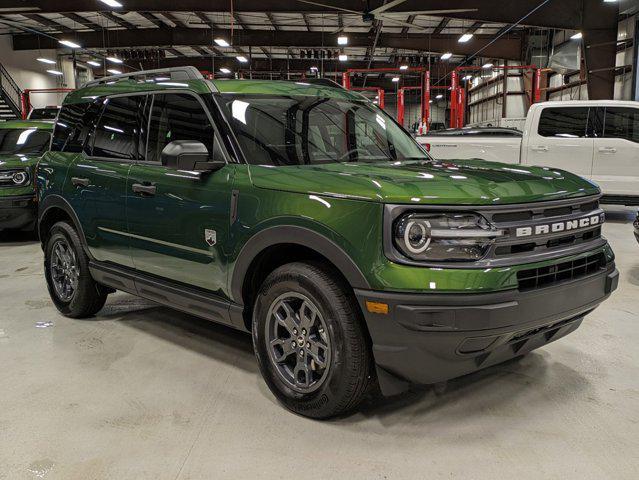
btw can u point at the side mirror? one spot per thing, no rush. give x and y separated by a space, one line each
189 155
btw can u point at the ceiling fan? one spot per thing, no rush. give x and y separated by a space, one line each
381 13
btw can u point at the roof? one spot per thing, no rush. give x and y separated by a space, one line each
27 124
587 103
279 87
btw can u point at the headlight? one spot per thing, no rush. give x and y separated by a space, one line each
444 236
20 178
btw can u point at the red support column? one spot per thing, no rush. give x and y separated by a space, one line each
461 106
536 87
425 126
454 82
380 99
24 104
346 80
400 106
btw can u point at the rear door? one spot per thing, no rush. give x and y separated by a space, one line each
616 163
179 224
560 139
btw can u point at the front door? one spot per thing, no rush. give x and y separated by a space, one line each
179 220
616 164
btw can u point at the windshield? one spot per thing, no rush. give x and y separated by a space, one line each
23 141
303 130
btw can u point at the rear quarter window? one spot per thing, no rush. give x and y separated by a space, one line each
622 123
567 122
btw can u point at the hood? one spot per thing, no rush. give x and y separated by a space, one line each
17 161
450 182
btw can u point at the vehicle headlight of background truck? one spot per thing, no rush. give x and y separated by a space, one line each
444 237
16 178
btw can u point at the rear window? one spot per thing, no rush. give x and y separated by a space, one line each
622 123
567 122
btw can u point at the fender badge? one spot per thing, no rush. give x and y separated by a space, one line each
210 237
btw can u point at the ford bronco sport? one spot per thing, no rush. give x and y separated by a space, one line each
304 214
22 143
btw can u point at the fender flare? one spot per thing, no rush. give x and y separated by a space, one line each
56 201
299 236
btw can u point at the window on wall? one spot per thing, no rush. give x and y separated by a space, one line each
177 116
117 132
622 123
567 122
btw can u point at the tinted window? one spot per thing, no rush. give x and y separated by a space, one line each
622 123
567 122
68 127
24 141
117 132
177 116
47 113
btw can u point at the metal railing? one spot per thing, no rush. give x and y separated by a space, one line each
10 91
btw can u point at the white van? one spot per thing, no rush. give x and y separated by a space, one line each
598 140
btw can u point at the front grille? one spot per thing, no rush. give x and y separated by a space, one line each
545 276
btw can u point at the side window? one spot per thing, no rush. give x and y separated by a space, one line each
177 116
622 123
569 122
67 128
117 132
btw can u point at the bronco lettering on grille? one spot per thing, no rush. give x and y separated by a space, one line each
556 227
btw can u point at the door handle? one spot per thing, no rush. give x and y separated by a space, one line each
607 150
149 190
540 148
80 182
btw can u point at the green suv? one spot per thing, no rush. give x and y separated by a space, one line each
304 214
22 143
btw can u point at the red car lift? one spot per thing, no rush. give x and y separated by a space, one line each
425 86
458 93
25 97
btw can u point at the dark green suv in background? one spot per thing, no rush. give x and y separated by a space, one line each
304 214
22 143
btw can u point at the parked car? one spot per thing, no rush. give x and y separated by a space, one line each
598 140
22 143
44 113
304 214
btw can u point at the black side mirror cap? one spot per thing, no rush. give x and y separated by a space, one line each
191 155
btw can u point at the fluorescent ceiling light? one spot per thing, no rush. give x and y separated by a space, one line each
94 63
439 96
343 57
488 65
465 37
446 56
114 60
55 72
342 40
314 69
403 67
111 3
468 77
221 42
69 43
114 71
46 60
395 79
225 70
577 36
241 59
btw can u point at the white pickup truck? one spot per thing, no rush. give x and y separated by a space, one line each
598 140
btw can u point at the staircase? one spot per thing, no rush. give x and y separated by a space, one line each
10 97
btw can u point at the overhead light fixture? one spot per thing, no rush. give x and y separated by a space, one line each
221 42
395 79
465 37
112 3
94 63
446 56
314 69
225 70
487 65
69 43
114 60
342 57
241 59
577 36
114 71
439 96
468 77
403 67
342 40
46 60
55 72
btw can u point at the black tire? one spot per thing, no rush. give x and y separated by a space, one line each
349 373
88 297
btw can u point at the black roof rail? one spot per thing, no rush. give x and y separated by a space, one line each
175 73
322 81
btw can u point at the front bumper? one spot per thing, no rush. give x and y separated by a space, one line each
18 211
429 338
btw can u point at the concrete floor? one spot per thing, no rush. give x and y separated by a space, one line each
144 392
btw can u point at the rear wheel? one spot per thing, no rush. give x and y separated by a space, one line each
66 268
309 341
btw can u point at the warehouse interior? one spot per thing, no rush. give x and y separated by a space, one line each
143 391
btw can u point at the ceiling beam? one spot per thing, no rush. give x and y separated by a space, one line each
442 24
508 48
118 20
47 22
153 19
271 19
83 21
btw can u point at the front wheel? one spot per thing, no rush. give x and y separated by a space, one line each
66 269
310 342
